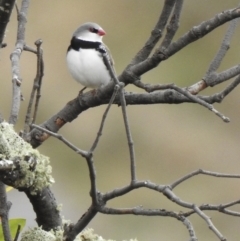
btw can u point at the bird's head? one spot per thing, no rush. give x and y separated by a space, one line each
90 32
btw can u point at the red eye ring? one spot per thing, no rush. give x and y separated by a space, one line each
93 30
100 31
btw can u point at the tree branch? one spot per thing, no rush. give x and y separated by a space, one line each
87 100
222 52
46 209
156 33
4 209
194 34
210 223
173 25
15 58
36 90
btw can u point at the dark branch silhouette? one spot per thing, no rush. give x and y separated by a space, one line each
158 47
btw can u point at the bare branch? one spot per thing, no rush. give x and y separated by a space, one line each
173 25
39 76
36 89
201 102
204 172
83 102
220 208
139 211
221 52
116 89
124 112
194 34
212 78
61 138
210 223
190 228
156 33
17 233
15 58
4 209
129 136
1 118
71 231
151 212
215 78
29 49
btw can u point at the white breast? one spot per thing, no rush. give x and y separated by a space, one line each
86 66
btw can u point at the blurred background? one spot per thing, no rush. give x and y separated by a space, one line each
170 140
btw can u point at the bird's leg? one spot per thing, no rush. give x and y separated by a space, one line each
81 91
93 92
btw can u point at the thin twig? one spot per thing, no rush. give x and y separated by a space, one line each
17 233
189 227
211 78
15 59
125 118
92 174
194 34
29 49
39 77
4 209
209 222
116 89
173 25
221 52
17 9
35 93
220 208
129 136
156 33
71 231
61 138
185 92
215 79
151 87
1 118
151 212
229 88
139 210
227 205
201 102
203 172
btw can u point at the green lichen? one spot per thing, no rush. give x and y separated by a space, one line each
37 234
35 168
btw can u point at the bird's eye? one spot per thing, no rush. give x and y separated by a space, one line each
93 30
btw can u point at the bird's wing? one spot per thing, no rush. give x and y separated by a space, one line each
104 49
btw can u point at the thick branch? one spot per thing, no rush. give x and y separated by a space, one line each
46 209
87 100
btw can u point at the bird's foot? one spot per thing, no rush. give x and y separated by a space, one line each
81 91
93 92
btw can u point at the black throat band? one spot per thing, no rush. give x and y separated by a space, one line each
77 44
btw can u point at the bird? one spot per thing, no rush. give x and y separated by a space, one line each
84 56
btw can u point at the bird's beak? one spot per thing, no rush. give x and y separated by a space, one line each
101 32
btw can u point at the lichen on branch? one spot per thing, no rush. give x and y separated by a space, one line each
34 168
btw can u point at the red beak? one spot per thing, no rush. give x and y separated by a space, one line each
101 32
